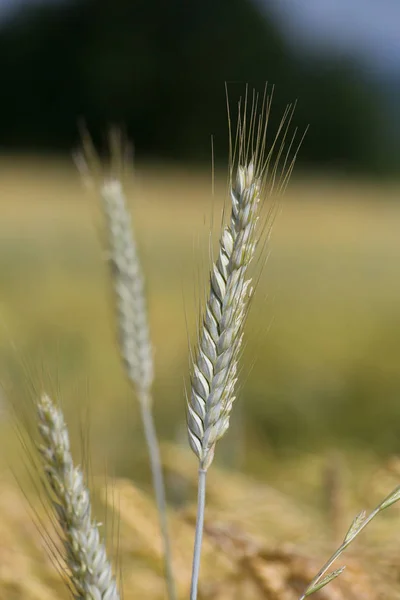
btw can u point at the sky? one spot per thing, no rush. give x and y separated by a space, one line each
368 30
8 6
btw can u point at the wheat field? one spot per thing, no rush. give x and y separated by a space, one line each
316 430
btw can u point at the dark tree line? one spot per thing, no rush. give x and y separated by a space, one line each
159 68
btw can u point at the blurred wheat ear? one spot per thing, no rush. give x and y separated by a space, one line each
90 575
132 323
215 363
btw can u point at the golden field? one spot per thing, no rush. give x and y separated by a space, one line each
317 422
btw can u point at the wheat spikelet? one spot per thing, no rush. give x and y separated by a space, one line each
90 572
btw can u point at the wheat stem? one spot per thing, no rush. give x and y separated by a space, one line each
90 572
134 340
215 366
132 323
201 503
158 486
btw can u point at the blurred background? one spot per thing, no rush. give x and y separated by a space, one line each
159 69
321 374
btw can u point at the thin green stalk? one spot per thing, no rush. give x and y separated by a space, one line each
201 503
158 485
358 524
336 554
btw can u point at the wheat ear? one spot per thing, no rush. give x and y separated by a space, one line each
215 363
128 283
134 339
215 366
90 572
214 369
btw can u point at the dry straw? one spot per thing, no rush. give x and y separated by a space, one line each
90 573
215 364
132 323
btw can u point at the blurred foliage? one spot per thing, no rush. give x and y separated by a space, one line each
159 69
321 363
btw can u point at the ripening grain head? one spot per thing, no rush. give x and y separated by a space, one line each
90 573
256 172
